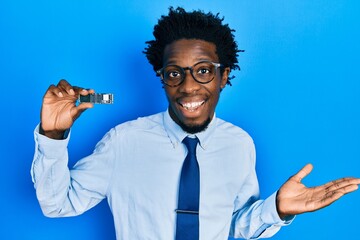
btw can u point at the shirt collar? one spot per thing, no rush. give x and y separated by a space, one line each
176 134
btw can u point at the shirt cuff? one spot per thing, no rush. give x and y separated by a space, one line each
48 146
269 214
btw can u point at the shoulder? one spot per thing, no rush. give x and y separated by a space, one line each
232 132
141 124
134 130
152 123
236 142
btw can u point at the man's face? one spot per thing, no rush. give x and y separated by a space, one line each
192 104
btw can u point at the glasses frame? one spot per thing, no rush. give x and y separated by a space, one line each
160 72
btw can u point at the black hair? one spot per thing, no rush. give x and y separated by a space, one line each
179 24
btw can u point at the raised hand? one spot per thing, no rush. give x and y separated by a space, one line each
59 110
295 198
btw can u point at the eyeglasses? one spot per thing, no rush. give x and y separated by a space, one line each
174 75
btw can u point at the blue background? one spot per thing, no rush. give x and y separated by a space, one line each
297 94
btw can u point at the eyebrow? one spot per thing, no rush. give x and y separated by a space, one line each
173 62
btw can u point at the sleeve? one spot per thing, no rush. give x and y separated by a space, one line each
63 192
254 218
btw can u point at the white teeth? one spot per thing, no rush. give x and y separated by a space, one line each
192 105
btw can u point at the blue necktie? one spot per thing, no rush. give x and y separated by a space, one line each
187 222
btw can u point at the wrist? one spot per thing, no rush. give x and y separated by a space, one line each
53 134
283 216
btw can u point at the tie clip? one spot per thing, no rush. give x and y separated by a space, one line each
186 211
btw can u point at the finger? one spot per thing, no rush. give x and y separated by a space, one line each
327 200
83 106
348 189
331 197
78 110
66 87
349 180
83 91
343 183
86 91
64 83
344 190
336 182
303 172
53 90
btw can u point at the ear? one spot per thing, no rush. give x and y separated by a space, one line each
224 77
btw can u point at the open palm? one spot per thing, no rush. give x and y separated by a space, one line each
295 198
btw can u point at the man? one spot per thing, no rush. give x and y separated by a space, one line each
143 166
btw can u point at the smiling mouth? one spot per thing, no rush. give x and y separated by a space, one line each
192 106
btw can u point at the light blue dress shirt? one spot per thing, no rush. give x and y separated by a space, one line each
136 167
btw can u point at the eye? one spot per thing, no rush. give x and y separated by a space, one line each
204 70
173 74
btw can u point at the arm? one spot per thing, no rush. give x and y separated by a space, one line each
258 219
62 192
254 218
263 218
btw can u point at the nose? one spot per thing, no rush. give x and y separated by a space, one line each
190 85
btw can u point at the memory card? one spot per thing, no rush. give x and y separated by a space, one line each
97 98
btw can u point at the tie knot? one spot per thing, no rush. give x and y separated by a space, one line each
191 143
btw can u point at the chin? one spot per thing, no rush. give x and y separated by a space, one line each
195 128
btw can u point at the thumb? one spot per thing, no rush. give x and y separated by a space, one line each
78 110
303 172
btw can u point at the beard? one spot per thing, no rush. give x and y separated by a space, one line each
192 129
